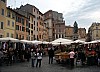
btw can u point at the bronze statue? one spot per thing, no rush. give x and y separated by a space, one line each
75 30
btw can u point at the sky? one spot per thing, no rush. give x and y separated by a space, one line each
84 12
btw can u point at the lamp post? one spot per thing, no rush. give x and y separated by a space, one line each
60 47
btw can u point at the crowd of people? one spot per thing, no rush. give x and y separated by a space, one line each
21 53
10 55
89 56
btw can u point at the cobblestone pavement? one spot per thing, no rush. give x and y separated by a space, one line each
26 67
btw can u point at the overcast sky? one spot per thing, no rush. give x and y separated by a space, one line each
85 12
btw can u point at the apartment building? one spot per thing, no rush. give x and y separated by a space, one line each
10 23
82 33
22 32
40 25
60 30
45 32
51 18
2 17
34 34
94 31
69 32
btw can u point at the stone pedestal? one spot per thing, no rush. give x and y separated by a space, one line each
75 36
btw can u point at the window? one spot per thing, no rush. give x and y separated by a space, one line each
34 22
59 30
16 36
97 32
96 27
56 36
37 29
96 35
27 24
16 18
40 36
32 19
12 24
22 37
19 19
59 36
17 27
20 28
59 25
53 25
34 16
53 29
40 23
34 10
34 28
7 34
27 38
22 21
31 38
37 37
19 36
1 36
8 14
23 28
2 12
4 1
62 36
37 23
27 29
1 26
39 17
32 32
12 35
29 18
29 32
13 15
8 23
34 37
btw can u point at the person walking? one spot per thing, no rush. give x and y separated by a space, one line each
33 57
98 58
51 55
39 58
1 55
71 54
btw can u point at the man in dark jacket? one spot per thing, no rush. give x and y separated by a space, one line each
51 55
1 55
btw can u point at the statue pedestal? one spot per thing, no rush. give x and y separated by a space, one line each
75 36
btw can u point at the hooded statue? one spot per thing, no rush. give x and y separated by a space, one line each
75 30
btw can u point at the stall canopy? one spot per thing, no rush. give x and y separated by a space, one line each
9 38
36 42
25 41
61 41
45 42
79 41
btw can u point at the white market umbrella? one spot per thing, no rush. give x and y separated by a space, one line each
79 41
63 43
45 42
36 42
95 41
9 38
61 40
25 41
